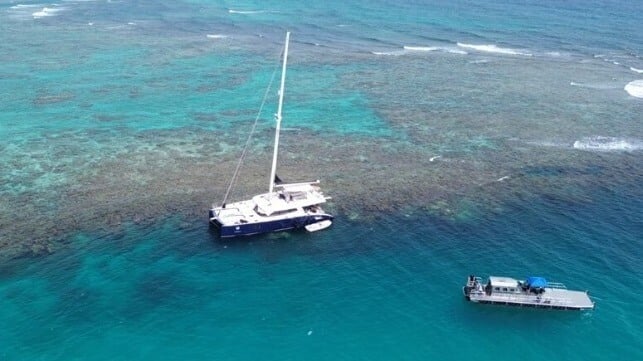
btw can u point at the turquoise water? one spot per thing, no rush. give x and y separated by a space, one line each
478 137
172 292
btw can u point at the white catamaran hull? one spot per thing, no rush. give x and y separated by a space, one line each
274 224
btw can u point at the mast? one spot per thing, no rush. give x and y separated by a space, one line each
278 116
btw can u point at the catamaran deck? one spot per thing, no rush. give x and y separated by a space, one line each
292 200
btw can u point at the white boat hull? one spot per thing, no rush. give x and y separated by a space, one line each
318 226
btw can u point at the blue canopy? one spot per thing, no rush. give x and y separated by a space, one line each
536 282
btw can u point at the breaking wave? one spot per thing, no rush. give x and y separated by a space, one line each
435 48
635 88
491 48
420 48
24 6
606 144
597 86
389 53
33 11
407 49
46 12
231 11
636 70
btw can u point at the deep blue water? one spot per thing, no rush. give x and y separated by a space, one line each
376 290
495 138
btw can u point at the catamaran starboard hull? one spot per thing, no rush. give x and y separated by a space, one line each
250 229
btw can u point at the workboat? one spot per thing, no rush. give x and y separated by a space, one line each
533 292
284 207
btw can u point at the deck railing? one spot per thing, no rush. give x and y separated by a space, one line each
556 285
527 299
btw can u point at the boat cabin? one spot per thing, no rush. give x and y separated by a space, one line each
502 285
535 285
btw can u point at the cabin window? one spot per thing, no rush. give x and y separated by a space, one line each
496 289
504 289
512 289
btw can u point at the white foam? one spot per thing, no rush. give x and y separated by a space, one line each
501 179
23 11
434 158
23 6
597 86
216 36
611 58
560 55
420 48
45 12
407 49
479 61
231 11
491 48
455 51
547 143
636 70
389 53
434 48
606 144
635 88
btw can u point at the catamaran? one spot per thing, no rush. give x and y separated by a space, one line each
284 207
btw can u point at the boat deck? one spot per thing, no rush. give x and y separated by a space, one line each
556 298
237 213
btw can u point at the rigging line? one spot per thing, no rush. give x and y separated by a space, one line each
252 130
